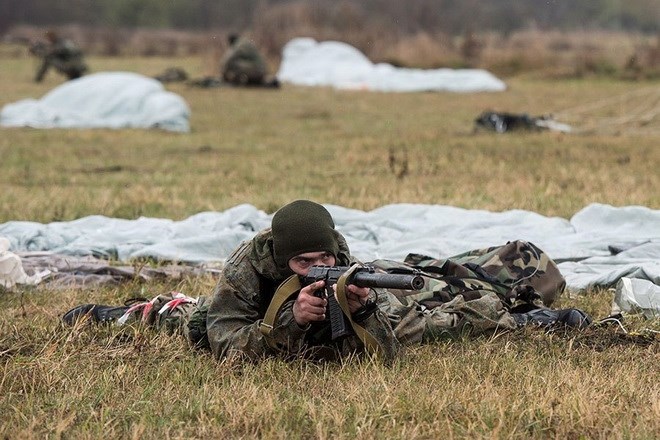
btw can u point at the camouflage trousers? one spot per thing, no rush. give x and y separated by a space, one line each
173 313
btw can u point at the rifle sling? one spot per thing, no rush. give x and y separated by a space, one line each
371 345
290 287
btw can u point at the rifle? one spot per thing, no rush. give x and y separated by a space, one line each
363 276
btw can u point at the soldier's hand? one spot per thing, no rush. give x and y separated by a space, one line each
309 308
356 297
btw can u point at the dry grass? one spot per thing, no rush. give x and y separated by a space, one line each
104 382
347 148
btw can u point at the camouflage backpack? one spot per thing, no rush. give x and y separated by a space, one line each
520 273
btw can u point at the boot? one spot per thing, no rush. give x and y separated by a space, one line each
96 313
548 318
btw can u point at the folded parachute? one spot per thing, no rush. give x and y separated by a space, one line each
102 100
335 64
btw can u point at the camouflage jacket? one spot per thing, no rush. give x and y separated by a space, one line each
240 300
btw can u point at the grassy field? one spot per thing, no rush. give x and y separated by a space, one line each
355 149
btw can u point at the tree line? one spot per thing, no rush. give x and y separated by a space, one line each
402 17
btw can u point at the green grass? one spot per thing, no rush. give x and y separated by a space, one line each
348 148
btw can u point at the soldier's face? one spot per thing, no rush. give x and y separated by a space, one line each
301 264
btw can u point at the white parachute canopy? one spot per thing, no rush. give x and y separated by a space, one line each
102 100
596 247
307 62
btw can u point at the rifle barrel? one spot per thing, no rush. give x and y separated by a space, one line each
388 281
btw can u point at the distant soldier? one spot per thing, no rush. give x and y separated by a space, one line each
61 54
243 65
